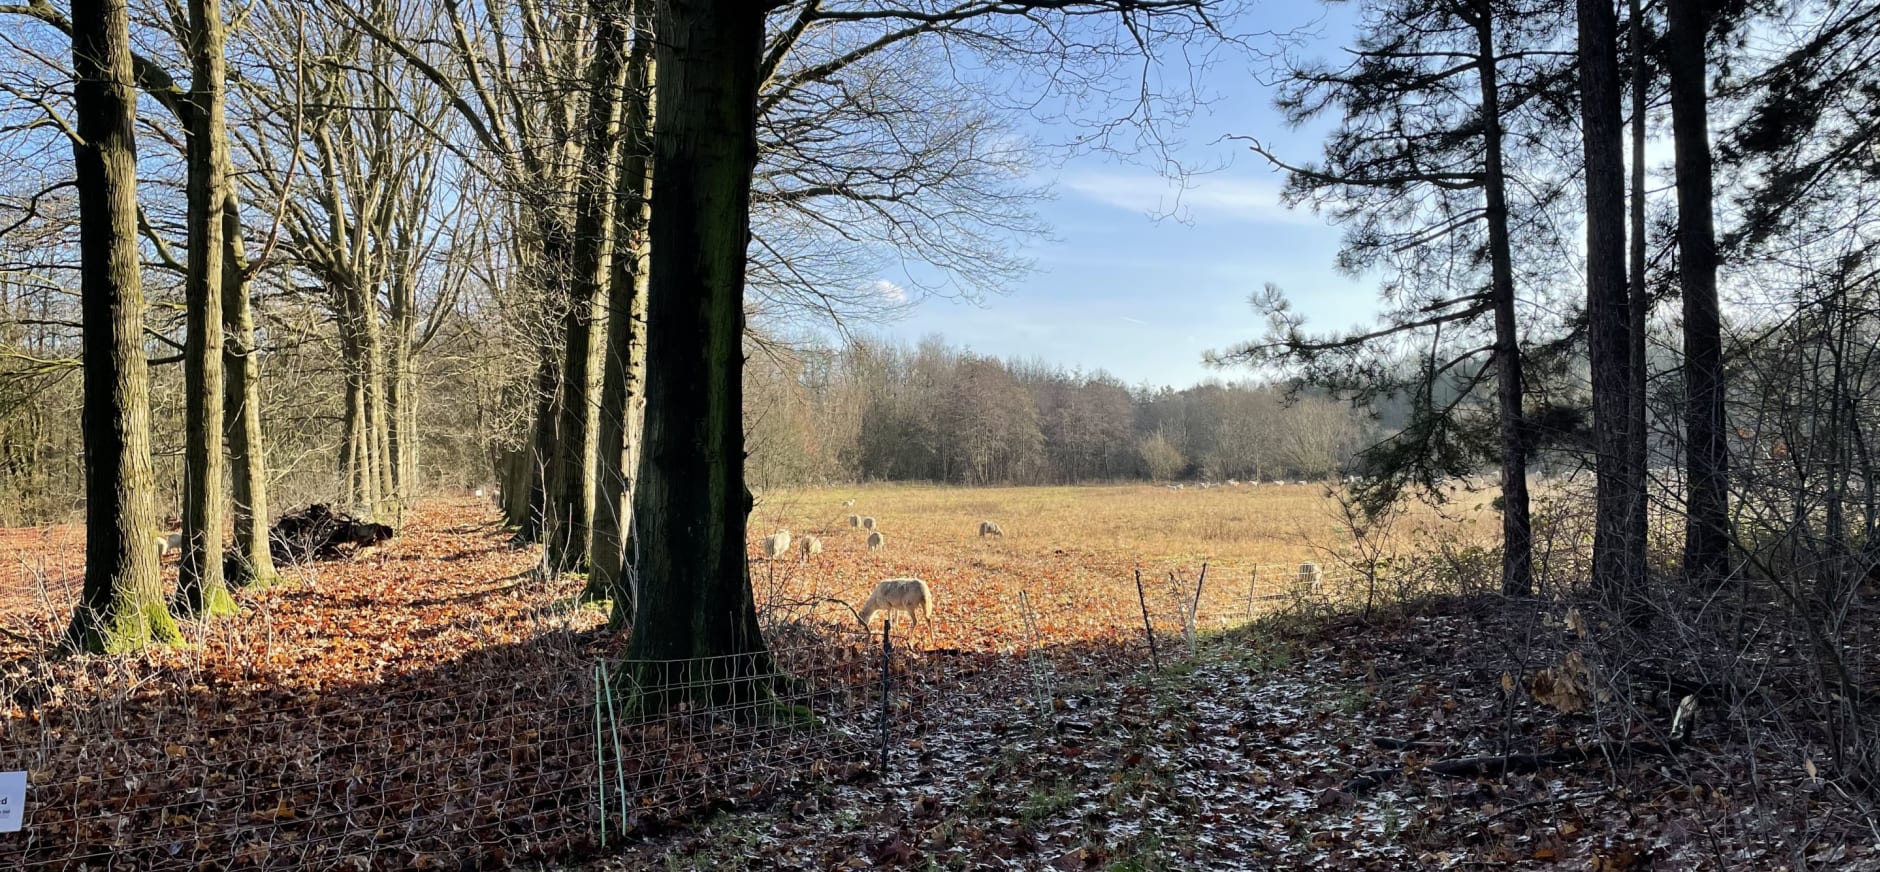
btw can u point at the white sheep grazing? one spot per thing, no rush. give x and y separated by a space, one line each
855 520
868 523
987 528
847 503
876 541
1310 575
776 544
811 546
910 595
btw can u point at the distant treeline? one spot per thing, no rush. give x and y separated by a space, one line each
878 411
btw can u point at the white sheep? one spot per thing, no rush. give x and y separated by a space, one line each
868 522
776 544
988 528
910 595
855 520
810 546
1310 575
168 542
847 503
876 541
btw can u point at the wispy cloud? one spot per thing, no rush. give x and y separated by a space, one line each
890 291
1210 198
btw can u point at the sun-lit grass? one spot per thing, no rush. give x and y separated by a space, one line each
1073 551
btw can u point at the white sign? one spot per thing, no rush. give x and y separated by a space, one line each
12 801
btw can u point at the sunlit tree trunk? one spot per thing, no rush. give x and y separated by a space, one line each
121 606
200 588
623 374
241 409
572 479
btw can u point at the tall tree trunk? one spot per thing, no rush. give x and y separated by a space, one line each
379 434
530 525
696 630
1706 454
624 370
199 587
241 409
1517 537
572 480
1638 448
121 606
1619 529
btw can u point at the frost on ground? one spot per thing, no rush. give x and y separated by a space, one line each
1283 747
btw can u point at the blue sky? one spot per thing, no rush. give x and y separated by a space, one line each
1124 286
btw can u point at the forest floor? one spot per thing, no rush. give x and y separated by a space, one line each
434 703
1288 744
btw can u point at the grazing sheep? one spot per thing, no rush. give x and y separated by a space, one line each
479 493
776 544
1310 575
987 528
910 595
868 523
855 520
1302 482
875 541
811 546
847 503
1233 482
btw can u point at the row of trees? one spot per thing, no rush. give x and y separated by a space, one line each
873 411
584 201
1451 176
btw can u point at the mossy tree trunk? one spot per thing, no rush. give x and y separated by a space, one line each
695 632
121 606
200 589
241 410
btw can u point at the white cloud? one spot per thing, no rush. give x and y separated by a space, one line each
1210 198
890 291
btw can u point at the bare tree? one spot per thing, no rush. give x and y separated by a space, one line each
121 605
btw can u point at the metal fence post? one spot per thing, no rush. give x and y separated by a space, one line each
887 684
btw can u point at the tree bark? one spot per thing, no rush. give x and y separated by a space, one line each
241 410
121 605
1706 453
199 588
1517 560
1619 529
1639 303
572 479
696 632
623 373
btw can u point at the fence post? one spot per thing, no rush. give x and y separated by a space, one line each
1155 660
887 684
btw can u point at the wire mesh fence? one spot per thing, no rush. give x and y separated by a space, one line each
567 752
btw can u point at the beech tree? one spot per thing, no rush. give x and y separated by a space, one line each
121 605
200 588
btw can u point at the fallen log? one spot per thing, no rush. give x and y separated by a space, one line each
319 533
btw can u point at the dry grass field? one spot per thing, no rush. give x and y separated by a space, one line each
1073 552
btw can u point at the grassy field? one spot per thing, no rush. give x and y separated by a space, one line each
1072 551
